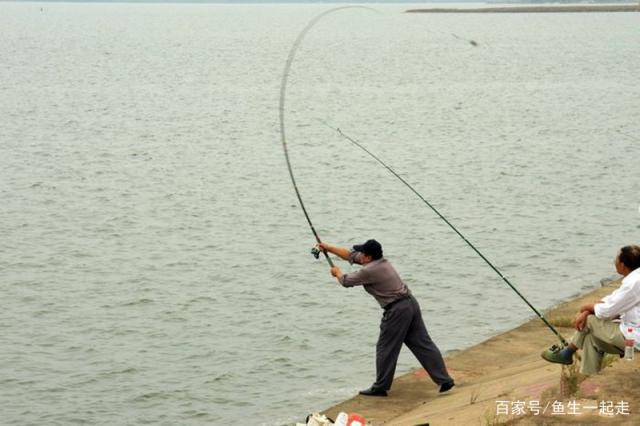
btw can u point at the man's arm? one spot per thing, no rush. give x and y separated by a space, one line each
341 252
610 307
337 272
588 307
360 277
618 302
585 311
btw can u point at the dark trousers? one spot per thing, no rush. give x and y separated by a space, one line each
402 323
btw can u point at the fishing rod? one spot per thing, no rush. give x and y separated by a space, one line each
283 89
359 145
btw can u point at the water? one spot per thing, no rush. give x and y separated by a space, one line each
154 260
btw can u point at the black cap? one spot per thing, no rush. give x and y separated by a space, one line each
370 248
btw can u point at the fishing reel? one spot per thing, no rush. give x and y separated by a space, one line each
557 348
315 251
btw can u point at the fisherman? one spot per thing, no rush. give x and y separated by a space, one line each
401 321
603 326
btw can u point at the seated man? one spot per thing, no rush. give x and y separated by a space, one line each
597 331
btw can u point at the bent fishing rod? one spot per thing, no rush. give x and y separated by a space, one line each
359 145
283 89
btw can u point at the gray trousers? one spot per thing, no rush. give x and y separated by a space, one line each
599 336
402 323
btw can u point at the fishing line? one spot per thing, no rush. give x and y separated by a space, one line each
283 90
470 41
356 143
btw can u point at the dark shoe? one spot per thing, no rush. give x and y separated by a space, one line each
445 387
558 355
373 392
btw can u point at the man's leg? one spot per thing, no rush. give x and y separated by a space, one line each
596 338
393 328
424 349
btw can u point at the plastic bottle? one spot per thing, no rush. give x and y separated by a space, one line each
342 419
629 344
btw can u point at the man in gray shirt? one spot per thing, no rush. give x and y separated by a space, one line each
401 321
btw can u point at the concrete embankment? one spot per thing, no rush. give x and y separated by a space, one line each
508 368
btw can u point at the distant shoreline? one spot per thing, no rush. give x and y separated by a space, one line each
535 9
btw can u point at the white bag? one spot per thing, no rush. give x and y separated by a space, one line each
317 420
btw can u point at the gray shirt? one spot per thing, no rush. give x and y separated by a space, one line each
379 279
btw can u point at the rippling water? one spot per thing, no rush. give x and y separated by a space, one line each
154 261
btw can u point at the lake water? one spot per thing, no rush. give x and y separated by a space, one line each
154 260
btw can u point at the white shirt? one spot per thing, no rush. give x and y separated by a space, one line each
624 301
